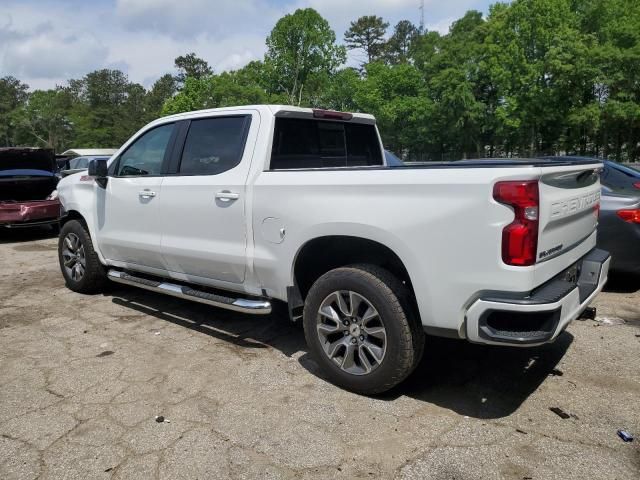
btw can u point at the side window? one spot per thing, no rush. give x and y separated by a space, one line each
146 154
213 145
306 143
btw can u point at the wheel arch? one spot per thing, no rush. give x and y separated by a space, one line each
321 254
72 215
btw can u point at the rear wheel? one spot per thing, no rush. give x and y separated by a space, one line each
359 327
79 263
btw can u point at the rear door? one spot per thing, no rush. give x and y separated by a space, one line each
129 222
203 202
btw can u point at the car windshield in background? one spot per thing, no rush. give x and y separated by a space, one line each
392 159
79 163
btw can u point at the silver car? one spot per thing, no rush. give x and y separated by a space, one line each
619 229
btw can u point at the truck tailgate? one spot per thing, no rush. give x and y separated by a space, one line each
569 205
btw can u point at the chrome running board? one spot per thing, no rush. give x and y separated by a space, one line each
256 307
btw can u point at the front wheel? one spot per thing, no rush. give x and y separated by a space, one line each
79 263
358 326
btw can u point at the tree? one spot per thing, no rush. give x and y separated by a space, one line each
13 95
240 87
398 47
190 65
162 90
367 34
301 54
107 108
397 96
45 118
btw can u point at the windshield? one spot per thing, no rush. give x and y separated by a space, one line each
392 159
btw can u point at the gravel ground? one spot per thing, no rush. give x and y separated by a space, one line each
82 379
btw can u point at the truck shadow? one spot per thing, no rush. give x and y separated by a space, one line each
622 283
473 380
242 330
481 381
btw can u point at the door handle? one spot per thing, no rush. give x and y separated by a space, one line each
146 194
227 196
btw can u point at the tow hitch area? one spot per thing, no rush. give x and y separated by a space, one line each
588 313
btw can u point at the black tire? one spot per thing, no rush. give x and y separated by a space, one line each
94 275
404 338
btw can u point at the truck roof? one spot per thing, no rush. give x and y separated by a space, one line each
275 110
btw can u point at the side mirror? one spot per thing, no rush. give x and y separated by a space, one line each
99 170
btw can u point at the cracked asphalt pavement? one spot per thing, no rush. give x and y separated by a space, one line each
82 379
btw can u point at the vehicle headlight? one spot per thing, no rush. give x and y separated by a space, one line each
53 196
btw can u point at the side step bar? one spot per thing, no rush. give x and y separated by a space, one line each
256 307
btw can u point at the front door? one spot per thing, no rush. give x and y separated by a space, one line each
129 221
203 201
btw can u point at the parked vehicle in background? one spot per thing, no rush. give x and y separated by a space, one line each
619 229
620 177
245 207
614 175
80 164
27 187
63 159
392 159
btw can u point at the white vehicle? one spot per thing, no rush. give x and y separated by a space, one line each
245 207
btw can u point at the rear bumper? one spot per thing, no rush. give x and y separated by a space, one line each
29 213
537 317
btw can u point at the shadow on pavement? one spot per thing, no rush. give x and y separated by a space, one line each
474 380
481 381
622 283
243 330
19 235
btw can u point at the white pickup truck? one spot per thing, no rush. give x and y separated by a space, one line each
248 207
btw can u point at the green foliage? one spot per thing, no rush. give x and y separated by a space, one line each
13 95
534 76
240 87
46 118
367 34
301 54
398 47
190 65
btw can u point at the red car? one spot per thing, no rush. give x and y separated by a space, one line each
27 187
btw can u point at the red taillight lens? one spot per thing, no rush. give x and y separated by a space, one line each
520 237
637 185
631 216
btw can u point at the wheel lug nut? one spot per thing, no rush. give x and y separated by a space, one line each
353 340
346 323
361 338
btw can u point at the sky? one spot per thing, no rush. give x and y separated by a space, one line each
46 42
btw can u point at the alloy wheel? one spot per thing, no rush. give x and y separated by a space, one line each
351 332
73 257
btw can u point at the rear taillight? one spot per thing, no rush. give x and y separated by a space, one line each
520 237
631 216
637 185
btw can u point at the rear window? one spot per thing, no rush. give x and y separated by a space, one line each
307 143
213 145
